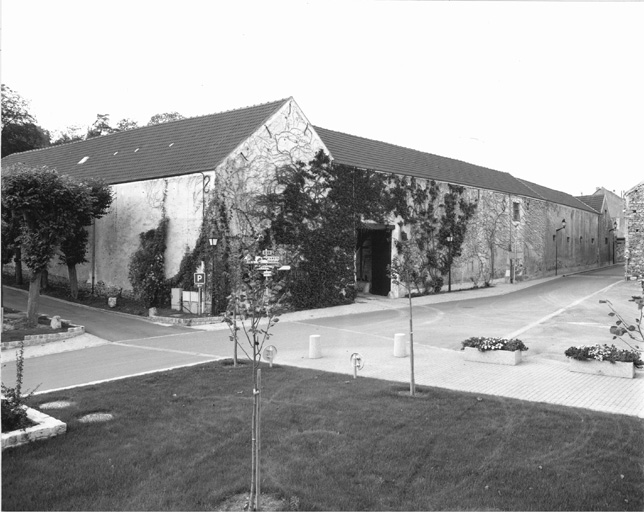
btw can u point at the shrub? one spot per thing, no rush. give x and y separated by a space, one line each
14 414
605 353
484 344
147 267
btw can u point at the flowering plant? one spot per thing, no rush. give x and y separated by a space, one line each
484 344
605 353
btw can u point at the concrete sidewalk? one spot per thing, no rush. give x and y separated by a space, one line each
536 379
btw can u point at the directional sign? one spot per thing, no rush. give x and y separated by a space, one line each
200 278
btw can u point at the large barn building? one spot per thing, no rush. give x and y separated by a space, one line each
170 170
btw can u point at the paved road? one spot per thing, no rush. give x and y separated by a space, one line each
545 314
108 325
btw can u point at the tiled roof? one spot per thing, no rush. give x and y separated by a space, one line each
556 196
168 149
596 202
201 143
381 156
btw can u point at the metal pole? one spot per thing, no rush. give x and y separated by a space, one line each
213 306
556 250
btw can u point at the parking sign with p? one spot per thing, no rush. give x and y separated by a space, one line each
200 278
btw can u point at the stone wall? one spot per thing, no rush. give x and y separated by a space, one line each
139 206
635 232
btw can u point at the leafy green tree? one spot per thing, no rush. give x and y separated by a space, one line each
126 124
147 267
101 126
19 129
48 206
74 246
72 133
164 117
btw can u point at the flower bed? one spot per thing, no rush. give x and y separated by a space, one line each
493 350
44 426
484 344
605 353
604 360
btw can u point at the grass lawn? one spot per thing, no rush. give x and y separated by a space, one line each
180 440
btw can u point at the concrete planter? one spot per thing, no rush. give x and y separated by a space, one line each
592 366
493 356
45 427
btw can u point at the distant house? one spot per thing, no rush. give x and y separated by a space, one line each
171 170
635 232
610 206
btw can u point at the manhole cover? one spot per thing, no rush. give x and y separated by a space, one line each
96 417
61 404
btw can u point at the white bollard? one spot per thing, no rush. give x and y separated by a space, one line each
400 347
315 350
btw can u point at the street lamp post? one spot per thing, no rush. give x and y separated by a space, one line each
213 288
450 239
613 243
563 225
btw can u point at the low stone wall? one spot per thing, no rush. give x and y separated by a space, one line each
204 320
39 339
45 427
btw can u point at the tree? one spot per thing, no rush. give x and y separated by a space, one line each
72 133
255 305
74 246
48 206
19 129
100 127
430 244
126 124
165 117
410 267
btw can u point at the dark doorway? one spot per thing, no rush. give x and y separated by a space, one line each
374 257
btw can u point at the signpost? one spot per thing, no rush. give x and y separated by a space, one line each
200 281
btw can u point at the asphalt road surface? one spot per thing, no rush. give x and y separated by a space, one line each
547 316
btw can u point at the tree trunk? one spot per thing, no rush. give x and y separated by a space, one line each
253 464
18 267
34 299
492 263
44 279
73 281
412 381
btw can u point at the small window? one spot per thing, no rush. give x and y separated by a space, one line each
592 241
83 160
516 212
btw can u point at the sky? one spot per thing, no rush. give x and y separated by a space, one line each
551 92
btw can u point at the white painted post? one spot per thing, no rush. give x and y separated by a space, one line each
400 347
315 350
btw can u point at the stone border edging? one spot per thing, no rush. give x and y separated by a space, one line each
38 339
185 321
46 427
